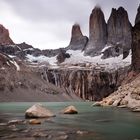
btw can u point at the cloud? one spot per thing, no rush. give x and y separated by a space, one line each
47 23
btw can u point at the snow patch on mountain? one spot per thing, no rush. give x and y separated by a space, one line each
16 65
41 59
78 57
109 63
105 48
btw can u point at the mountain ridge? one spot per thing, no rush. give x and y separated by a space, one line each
103 70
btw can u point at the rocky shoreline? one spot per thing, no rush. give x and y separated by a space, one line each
35 133
127 96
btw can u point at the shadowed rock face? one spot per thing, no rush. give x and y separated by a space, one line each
62 55
4 36
136 44
137 20
86 83
97 32
78 41
119 29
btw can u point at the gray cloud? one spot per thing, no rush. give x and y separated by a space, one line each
53 18
70 10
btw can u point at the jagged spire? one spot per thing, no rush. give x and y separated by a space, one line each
97 32
76 31
78 41
119 27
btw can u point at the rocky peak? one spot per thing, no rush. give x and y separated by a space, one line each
78 41
119 28
97 32
76 31
4 36
138 16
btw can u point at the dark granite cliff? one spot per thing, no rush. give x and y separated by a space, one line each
136 44
97 32
78 41
119 32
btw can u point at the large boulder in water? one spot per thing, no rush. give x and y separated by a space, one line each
38 111
34 121
70 110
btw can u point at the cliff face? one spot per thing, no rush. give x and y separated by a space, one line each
78 41
116 33
97 32
136 44
4 36
85 83
119 31
119 27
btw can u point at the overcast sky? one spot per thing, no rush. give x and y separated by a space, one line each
46 24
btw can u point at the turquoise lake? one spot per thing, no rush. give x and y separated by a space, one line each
106 122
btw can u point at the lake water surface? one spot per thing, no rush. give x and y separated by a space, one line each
105 122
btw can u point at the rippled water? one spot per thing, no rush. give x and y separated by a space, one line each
106 122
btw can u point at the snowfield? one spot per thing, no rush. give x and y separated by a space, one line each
109 63
41 59
77 57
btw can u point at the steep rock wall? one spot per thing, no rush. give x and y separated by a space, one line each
97 32
86 83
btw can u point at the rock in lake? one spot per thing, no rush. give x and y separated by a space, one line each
38 111
34 121
70 110
136 109
12 122
116 102
96 104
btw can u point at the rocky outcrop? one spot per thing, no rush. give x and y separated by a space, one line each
38 111
20 50
70 110
137 20
51 53
136 44
62 56
9 49
4 36
34 121
119 30
113 51
128 95
86 83
24 46
78 41
97 33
